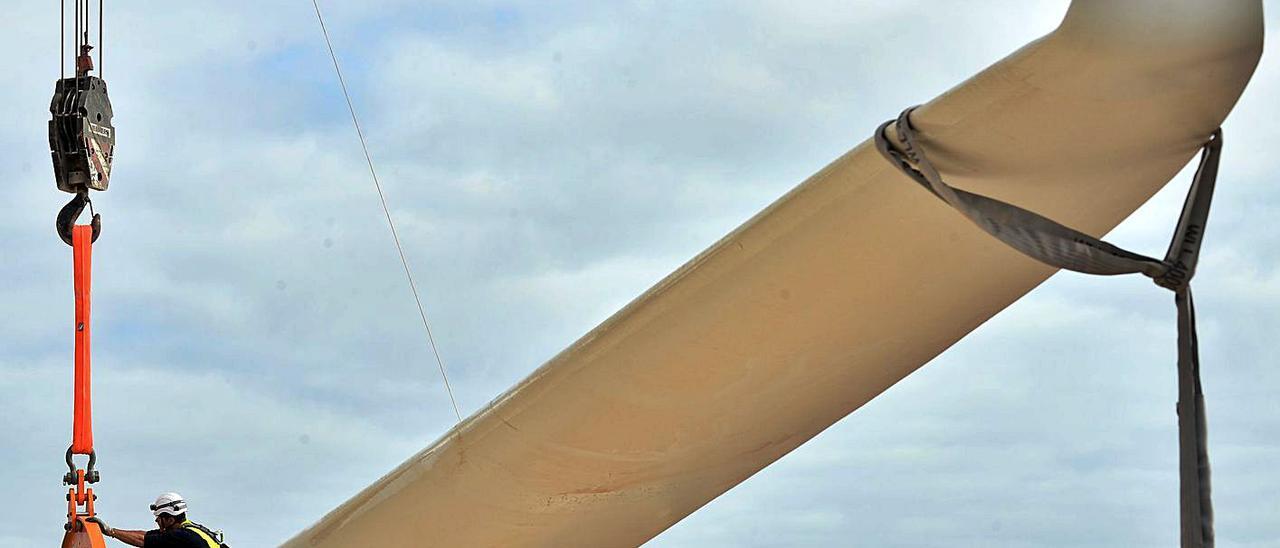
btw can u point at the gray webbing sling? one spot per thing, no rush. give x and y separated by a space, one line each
1062 247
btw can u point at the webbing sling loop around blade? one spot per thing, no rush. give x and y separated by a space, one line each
1059 246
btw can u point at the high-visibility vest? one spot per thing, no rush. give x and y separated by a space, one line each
213 539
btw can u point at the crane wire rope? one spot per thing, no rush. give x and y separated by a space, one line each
80 33
387 211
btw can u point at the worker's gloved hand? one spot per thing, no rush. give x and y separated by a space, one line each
106 529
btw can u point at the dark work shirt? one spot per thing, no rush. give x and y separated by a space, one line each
179 537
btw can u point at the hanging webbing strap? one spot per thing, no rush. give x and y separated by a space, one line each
82 422
1062 247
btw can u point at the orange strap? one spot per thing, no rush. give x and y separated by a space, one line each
82 255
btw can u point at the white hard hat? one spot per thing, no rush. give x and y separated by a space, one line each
169 503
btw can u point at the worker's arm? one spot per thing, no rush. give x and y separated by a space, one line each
132 538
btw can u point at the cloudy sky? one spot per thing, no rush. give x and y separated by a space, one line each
257 347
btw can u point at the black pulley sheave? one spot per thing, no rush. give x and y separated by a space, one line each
82 141
81 135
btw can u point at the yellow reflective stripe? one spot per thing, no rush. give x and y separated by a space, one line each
196 530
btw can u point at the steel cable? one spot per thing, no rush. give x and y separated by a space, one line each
387 211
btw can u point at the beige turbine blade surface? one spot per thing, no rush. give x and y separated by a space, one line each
838 290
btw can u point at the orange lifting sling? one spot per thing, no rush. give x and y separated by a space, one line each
82 424
81 533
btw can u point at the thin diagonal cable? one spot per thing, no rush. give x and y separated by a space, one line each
387 211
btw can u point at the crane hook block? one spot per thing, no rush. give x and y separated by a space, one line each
81 136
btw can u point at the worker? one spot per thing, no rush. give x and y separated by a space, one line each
175 530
